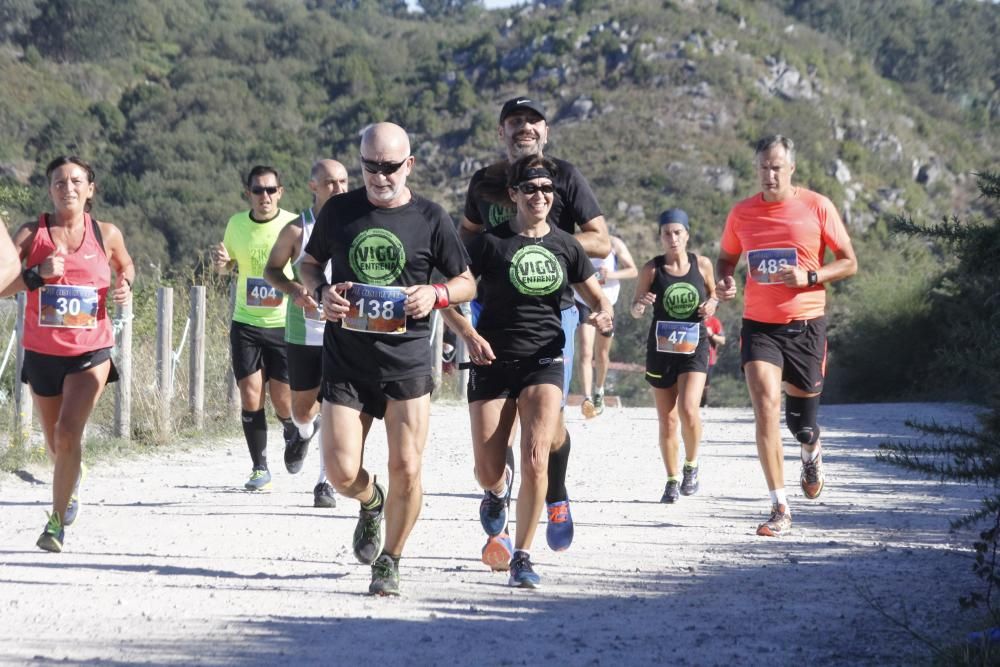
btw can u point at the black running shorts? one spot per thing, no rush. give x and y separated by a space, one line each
507 379
305 366
371 397
46 372
797 348
663 368
255 349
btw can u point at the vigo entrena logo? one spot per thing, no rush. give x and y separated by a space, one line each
534 271
377 256
680 300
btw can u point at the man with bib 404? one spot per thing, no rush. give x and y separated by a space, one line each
304 324
384 242
256 335
784 231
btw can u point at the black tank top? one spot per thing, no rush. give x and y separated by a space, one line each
678 297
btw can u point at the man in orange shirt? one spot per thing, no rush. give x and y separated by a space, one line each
784 231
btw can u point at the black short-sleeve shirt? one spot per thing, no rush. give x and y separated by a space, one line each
522 283
399 246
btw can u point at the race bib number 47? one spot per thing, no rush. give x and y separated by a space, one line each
677 337
765 264
261 295
375 309
67 306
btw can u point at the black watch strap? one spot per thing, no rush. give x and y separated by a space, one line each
318 294
32 278
812 278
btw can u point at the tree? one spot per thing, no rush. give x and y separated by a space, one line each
435 8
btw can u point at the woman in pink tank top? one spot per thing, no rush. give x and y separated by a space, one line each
68 258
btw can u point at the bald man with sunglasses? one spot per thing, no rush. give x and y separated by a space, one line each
384 241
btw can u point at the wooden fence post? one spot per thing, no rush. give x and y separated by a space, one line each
234 390
164 350
196 368
22 395
123 388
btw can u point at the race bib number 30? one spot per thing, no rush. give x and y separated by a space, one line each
261 295
375 309
67 306
765 264
677 337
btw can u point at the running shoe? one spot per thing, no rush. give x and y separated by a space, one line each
73 508
493 509
812 478
690 484
324 495
497 552
559 531
588 408
598 402
52 536
295 452
385 576
368 535
779 524
522 574
260 480
671 493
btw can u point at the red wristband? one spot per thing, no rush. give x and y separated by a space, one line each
443 299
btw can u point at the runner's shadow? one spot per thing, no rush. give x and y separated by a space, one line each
175 570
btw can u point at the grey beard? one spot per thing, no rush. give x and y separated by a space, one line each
518 152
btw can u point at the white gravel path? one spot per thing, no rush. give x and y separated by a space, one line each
171 562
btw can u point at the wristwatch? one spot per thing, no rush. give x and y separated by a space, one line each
812 278
32 278
319 292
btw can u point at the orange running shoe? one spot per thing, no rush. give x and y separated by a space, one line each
779 524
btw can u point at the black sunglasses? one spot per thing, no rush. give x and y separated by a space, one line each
530 189
260 189
374 167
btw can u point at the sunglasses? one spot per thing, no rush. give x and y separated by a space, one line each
260 189
386 168
530 189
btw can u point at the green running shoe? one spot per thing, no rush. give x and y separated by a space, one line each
598 402
368 536
385 576
52 536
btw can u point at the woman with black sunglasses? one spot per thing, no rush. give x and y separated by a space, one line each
524 266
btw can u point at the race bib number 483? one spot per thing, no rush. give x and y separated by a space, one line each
765 264
262 295
677 337
67 306
375 309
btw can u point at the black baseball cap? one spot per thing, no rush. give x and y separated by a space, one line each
510 106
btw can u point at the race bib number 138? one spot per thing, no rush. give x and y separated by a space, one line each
765 264
375 309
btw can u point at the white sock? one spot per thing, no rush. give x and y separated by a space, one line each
322 465
778 497
809 453
306 429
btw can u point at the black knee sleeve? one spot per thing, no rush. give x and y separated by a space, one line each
800 417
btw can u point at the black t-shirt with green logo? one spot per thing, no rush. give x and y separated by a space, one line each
400 247
522 282
677 297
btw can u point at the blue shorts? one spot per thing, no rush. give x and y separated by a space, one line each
570 320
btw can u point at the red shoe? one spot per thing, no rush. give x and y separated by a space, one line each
497 552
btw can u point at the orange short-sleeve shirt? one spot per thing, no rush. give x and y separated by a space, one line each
807 223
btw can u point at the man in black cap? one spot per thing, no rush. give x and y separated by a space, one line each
523 131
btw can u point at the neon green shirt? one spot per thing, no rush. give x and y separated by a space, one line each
249 243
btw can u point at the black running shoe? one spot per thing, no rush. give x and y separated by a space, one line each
324 495
53 535
295 452
368 535
385 576
672 492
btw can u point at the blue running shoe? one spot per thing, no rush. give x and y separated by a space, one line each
559 532
522 575
497 552
260 480
493 509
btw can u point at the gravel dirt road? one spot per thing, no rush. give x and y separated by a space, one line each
171 562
